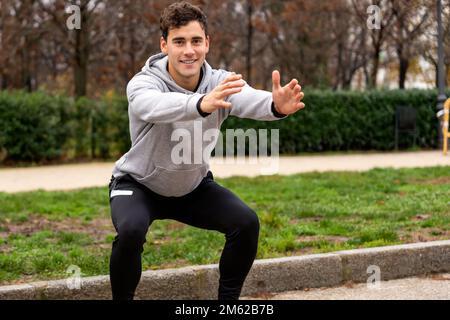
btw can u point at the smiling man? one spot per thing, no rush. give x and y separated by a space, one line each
186 50
177 89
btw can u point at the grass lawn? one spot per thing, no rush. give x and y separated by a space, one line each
43 233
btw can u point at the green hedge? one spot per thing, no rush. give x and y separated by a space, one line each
37 127
101 128
32 126
349 120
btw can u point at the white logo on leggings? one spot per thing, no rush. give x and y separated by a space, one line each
121 193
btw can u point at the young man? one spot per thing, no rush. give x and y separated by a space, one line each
175 89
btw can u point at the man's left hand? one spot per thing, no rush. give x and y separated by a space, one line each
287 99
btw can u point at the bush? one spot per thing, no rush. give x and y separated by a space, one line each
348 120
35 127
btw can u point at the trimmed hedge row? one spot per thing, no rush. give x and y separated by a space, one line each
36 127
350 120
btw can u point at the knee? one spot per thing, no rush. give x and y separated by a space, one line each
131 236
249 221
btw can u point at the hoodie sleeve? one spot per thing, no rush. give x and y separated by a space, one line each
148 101
254 104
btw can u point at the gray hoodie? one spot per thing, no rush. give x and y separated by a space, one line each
157 107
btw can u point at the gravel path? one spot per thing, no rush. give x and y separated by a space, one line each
435 287
73 176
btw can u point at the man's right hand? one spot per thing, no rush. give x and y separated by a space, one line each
216 98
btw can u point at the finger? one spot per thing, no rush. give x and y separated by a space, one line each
276 80
297 88
232 77
292 84
300 105
224 104
299 96
228 92
232 84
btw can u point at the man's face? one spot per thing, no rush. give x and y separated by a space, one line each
186 48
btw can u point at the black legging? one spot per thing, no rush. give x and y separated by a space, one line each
209 206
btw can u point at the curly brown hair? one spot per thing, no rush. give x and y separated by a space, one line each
180 14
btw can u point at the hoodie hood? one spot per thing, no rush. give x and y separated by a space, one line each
156 66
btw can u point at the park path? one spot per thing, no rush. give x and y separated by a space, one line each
74 176
432 287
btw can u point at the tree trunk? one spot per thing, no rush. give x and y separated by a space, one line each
81 62
447 75
346 84
403 64
403 69
340 73
374 72
4 81
436 75
366 76
347 81
82 49
249 40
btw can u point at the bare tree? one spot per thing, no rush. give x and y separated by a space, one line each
411 18
427 45
226 30
377 36
350 38
322 43
79 43
20 34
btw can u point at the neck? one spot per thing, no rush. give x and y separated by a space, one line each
186 83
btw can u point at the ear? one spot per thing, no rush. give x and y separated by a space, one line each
207 43
163 45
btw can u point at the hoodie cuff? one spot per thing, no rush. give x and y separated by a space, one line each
192 105
276 113
200 111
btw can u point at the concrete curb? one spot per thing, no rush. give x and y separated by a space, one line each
267 275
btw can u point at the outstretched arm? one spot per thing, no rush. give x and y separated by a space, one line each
246 102
148 101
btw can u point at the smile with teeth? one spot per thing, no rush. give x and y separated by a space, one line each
188 61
